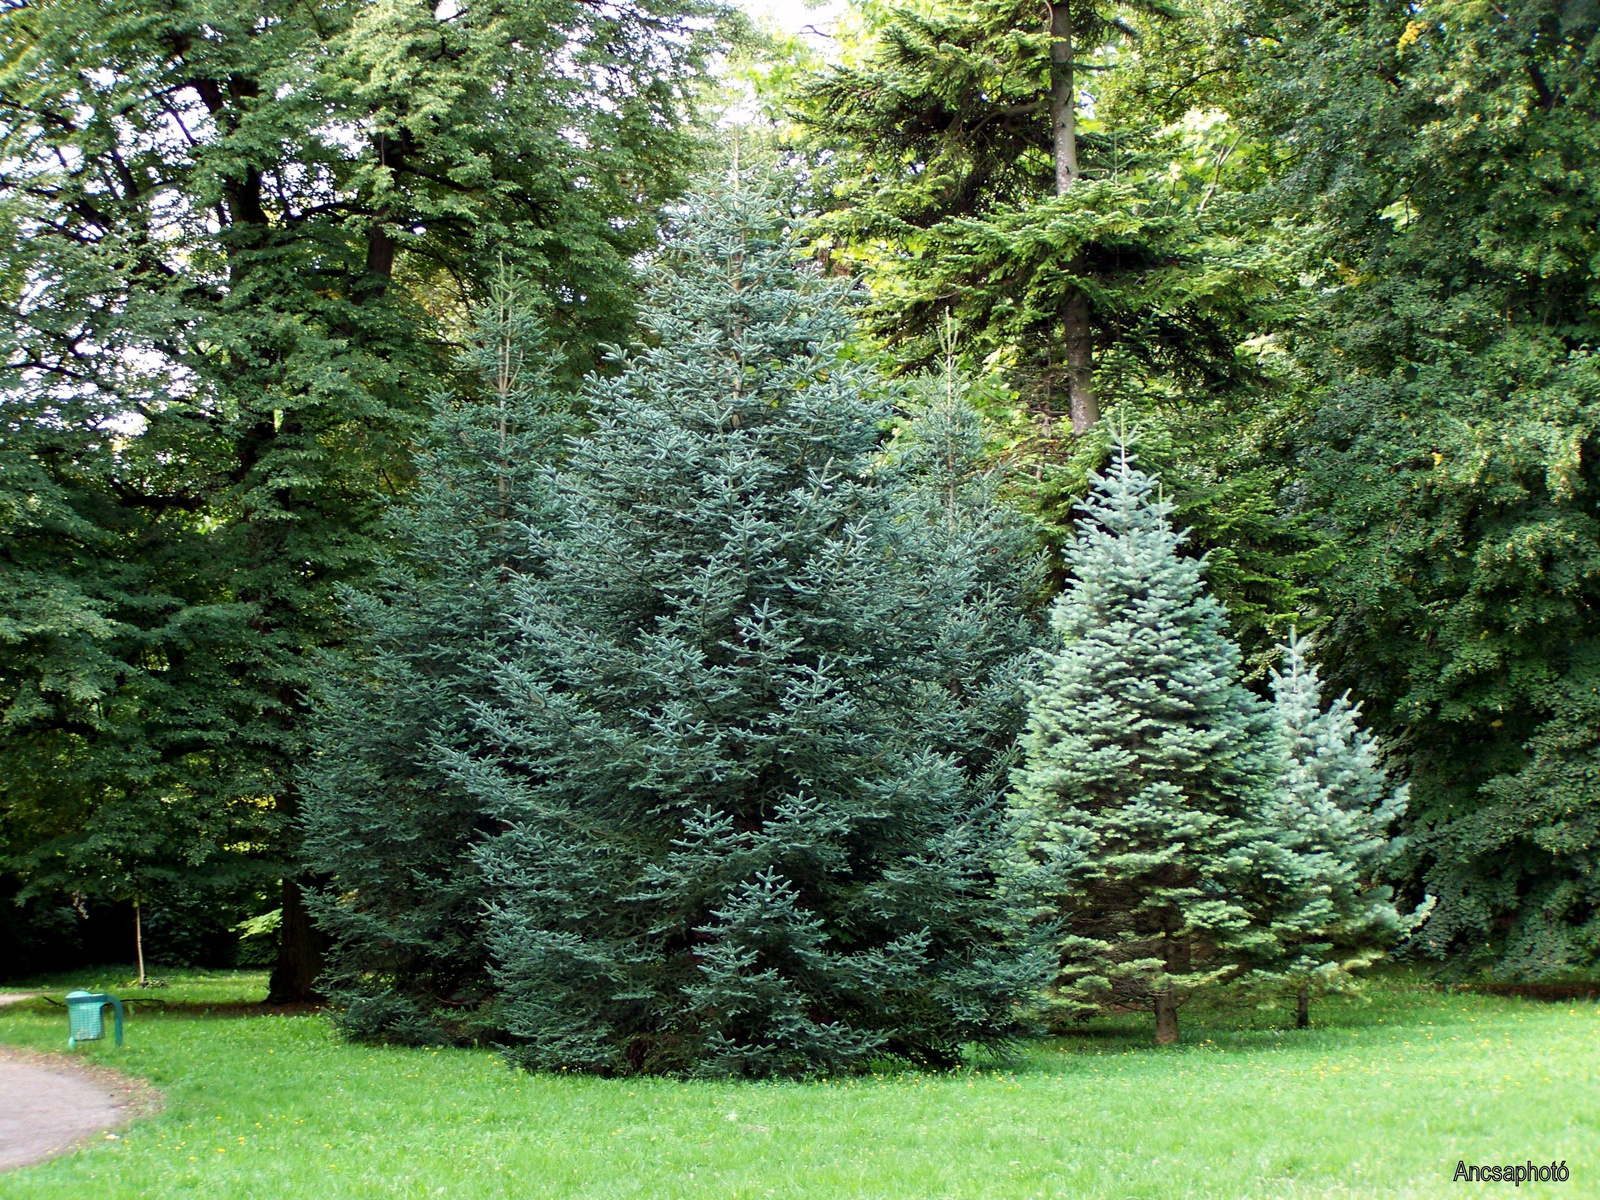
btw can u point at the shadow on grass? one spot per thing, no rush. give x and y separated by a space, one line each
1548 992
1383 1005
145 1006
187 991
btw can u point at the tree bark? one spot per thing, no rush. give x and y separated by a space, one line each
1176 952
1166 1017
138 940
381 245
1063 103
294 978
1302 1008
1083 402
381 241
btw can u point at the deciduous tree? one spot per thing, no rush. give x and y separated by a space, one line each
237 241
1442 157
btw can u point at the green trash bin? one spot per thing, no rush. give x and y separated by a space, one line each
86 1017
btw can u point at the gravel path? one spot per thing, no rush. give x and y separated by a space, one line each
50 1103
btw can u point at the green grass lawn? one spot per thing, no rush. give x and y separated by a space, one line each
1381 1098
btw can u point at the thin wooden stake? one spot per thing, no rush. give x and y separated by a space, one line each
138 940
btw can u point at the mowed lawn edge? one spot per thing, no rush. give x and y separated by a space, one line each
1381 1097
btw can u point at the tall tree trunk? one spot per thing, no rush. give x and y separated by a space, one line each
1084 404
294 978
1302 1008
1063 103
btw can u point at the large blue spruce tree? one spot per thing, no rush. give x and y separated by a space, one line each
746 751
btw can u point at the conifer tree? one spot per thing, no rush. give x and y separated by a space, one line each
969 532
967 178
385 824
739 747
1329 820
1146 767
1041 171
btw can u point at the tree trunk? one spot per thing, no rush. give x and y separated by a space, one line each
1083 403
1166 1017
1063 104
138 940
381 246
1302 1008
1176 952
294 978
381 240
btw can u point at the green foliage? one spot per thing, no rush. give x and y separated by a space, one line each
937 133
1226 463
1329 818
386 826
933 144
131 761
237 241
1442 161
687 706
746 751
1539 826
1148 765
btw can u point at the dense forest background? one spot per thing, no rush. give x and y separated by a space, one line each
1335 262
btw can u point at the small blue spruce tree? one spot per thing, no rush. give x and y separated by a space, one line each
1328 820
1147 764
